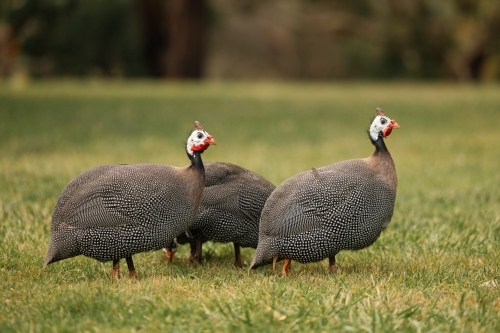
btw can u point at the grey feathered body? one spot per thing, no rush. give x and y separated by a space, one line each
114 211
231 206
315 214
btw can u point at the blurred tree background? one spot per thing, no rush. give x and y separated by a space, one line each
252 39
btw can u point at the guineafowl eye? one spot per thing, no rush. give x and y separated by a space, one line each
383 121
200 135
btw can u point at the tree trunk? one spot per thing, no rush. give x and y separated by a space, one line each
174 37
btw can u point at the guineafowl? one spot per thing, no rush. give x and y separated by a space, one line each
229 212
114 211
343 206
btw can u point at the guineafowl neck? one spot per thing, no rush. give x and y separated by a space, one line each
382 164
196 162
380 147
197 178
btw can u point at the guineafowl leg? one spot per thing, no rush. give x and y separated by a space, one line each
237 255
131 268
287 265
116 269
196 257
192 247
333 268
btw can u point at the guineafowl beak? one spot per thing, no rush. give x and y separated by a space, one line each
169 253
392 125
210 140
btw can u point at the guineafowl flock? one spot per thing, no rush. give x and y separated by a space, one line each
112 212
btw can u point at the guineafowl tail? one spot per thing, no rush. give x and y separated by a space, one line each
63 244
264 254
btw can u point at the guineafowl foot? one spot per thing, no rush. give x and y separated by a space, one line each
131 268
196 259
237 256
237 263
116 269
333 268
287 267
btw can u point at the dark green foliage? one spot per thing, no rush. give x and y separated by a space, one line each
306 39
79 38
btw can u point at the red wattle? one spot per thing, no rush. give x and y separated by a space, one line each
200 147
203 146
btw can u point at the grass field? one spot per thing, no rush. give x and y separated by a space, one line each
436 268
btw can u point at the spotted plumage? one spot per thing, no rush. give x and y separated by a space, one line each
342 206
114 211
230 210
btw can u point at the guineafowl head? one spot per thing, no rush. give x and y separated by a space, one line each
199 140
381 126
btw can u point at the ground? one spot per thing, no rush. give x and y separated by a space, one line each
436 267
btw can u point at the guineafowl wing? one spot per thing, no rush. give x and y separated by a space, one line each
254 191
313 199
222 187
122 195
292 207
221 197
235 199
236 190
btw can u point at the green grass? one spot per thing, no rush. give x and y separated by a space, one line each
429 272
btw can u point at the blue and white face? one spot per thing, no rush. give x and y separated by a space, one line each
199 140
